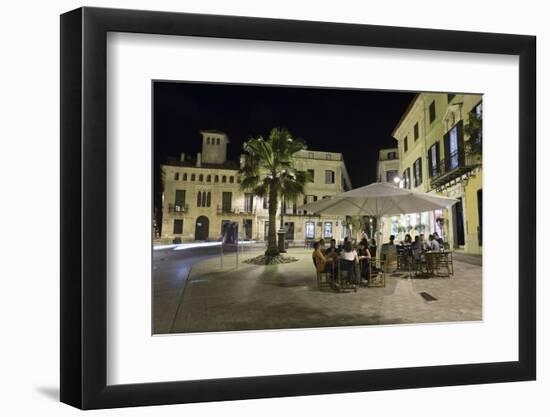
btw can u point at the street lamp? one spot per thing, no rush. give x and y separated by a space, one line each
398 181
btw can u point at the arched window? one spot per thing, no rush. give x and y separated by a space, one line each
208 199
201 177
199 199
177 176
216 178
224 178
231 179
204 199
192 177
208 178
184 176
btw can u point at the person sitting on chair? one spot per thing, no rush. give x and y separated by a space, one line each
349 260
332 251
363 254
319 259
434 244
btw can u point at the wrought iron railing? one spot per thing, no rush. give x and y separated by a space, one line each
456 163
176 208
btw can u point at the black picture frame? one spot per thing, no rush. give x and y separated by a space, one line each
84 207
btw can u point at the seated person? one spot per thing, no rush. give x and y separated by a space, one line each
332 251
349 259
319 259
364 255
434 244
416 248
439 240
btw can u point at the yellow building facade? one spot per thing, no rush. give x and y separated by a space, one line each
439 142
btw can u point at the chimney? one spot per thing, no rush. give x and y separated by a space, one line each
199 160
182 157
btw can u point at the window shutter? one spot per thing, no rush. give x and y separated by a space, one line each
430 165
460 140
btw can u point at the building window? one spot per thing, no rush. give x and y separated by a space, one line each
248 202
432 111
328 157
184 176
329 177
178 226
192 177
208 178
238 179
217 141
390 175
417 167
226 201
327 230
204 198
392 155
216 178
208 140
201 177
450 97
416 133
407 178
199 199
264 203
311 155
231 179
176 176
224 178
406 144
311 173
433 160
310 230
179 202
208 199
454 144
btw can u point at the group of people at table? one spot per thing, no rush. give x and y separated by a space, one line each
348 257
335 259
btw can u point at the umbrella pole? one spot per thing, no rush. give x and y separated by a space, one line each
378 238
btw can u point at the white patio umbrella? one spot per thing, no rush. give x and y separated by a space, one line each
378 199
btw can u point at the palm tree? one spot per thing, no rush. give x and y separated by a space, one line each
268 170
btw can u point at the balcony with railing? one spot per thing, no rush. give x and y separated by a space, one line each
454 166
235 211
178 209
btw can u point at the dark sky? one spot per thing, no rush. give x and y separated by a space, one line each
356 123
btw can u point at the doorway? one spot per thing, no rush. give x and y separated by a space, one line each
458 223
201 228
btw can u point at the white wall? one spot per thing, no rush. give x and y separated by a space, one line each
29 246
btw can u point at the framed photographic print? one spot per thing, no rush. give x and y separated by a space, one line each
258 208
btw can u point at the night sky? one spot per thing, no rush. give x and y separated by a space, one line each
356 123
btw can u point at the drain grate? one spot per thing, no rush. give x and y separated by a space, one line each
427 297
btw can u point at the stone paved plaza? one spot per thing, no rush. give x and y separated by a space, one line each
282 296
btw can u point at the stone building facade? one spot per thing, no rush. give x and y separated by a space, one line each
202 193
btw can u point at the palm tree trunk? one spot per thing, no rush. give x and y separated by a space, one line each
272 249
